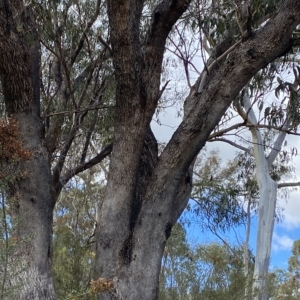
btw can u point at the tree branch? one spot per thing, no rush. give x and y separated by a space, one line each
288 184
223 131
88 138
213 64
104 43
77 111
282 129
62 156
231 143
277 145
165 15
268 43
83 36
82 167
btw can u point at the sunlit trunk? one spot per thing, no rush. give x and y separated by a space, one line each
266 210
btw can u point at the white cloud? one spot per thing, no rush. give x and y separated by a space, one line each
281 242
292 205
291 211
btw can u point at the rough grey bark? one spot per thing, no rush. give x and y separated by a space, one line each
129 253
31 203
33 195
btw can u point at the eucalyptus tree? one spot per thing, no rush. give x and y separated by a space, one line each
270 156
63 113
201 271
145 194
268 191
285 283
73 237
129 251
228 196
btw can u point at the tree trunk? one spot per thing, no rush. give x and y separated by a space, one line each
32 217
246 252
30 195
266 216
131 232
266 209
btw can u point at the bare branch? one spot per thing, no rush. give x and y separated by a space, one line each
67 112
83 36
165 15
288 131
223 131
163 89
288 184
104 43
82 167
88 138
63 153
232 143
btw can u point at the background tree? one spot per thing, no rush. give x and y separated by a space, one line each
202 271
48 123
284 283
73 241
11 152
266 150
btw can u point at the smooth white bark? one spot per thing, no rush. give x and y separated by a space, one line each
266 208
246 251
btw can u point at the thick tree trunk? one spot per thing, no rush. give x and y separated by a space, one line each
138 262
30 272
30 195
131 232
137 76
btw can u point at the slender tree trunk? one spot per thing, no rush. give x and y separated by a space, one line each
246 252
266 216
266 210
30 200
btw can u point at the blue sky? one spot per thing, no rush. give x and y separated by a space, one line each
283 239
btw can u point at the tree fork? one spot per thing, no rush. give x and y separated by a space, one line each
169 181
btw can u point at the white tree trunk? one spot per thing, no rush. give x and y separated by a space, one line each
266 209
246 251
266 215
